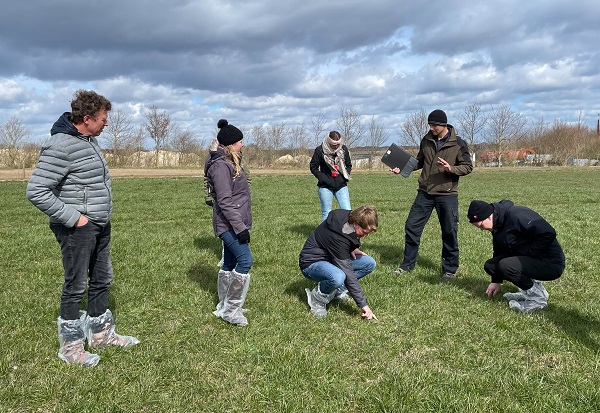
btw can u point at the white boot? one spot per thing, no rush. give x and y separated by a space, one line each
72 339
100 332
318 301
536 298
235 297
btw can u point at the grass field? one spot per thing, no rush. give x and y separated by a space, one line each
437 347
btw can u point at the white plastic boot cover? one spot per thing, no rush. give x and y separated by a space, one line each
235 297
72 339
100 332
318 301
222 285
536 298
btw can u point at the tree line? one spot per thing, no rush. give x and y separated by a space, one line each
496 136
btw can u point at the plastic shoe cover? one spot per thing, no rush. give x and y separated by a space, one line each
399 271
527 306
234 299
222 286
342 294
318 301
538 291
518 296
220 264
100 332
71 339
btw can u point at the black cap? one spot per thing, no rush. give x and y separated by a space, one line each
437 117
479 210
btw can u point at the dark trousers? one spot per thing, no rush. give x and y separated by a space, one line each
522 270
446 207
85 255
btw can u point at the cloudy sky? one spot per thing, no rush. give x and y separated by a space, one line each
272 61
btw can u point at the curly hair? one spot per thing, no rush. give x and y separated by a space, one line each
87 102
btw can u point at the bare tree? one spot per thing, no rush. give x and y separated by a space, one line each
259 137
187 146
298 139
505 127
350 127
472 122
118 133
414 128
317 128
376 137
276 137
135 145
159 128
13 135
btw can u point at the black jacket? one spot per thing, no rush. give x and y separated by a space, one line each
329 243
518 230
320 169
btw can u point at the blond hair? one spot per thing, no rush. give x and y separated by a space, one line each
365 217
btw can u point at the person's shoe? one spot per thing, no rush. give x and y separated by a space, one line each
399 271
448 276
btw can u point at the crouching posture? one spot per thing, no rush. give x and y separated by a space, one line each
232 220
331 256
71 185
526 252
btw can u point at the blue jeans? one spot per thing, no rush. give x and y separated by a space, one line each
446 207
236 256
331 277
326 197
85 254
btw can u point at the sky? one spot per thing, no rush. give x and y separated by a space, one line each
270 62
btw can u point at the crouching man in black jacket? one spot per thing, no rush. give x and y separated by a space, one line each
526 252
331 256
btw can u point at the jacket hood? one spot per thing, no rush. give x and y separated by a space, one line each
500 209
335 222
64 125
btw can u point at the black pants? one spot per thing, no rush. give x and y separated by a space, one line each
446 207
522 270
85 254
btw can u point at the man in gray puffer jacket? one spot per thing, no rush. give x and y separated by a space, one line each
71 185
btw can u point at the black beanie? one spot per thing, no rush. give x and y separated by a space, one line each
228 134
437 117
479 210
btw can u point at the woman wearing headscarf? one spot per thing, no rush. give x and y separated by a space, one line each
331 165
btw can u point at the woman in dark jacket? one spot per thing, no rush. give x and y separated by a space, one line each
331 165
232 220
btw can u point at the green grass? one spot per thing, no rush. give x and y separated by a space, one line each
437 347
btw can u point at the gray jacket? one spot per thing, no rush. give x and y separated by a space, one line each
71 178
231 210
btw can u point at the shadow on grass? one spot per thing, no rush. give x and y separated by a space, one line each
296 289
302 229
206 277
579 327
212 244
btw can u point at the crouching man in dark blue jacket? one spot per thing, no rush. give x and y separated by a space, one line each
331 256
526 252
